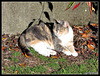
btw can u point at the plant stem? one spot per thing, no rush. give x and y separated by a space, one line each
41 11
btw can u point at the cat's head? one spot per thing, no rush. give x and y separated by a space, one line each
60 27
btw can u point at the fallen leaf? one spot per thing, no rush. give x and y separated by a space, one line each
16 71
4 38
3 48
22 53
84 43
94 24
93 53
82 51
54 56
84 35
87 31
14 49
90 46
78 27
22 64
96 54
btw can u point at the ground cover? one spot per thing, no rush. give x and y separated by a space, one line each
85 42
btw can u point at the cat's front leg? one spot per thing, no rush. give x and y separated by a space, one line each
47 52
72 50
52 52
67 52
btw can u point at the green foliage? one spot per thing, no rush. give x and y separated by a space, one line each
14 59
15 53
54 66
90 66
39 69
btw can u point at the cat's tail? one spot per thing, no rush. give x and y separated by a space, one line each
22 44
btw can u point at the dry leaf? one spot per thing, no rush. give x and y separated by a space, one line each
16 71
85 35
22 64
4 38
22 53
54 56
15 49
90 46
3 48
93 53
94 24
78 27
96 54
87 31
84 43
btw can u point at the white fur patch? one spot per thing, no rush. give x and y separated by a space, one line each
65 38
67 52
42 48
75 53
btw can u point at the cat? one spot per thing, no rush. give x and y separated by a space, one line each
38 37
64 32
48 41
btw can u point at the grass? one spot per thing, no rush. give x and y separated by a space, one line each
56 66
14 55
90 66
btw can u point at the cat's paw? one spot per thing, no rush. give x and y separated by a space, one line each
67 52
53 53
47 53
75 53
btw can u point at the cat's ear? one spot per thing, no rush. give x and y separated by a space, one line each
66 24
58 22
